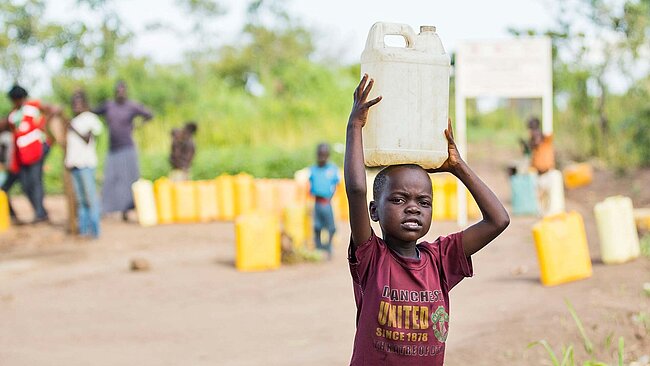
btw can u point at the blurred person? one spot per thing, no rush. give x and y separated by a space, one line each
539 147
323 178
401 287
28 123
183 150
81 160
121 168
542 159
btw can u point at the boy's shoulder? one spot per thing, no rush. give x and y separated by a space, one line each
442 240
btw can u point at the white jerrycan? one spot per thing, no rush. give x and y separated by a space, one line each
407 126
145 202
619 240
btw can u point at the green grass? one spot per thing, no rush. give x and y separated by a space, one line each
568 355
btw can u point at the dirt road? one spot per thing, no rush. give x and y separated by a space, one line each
67 302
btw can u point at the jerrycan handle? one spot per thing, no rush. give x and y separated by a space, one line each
379 30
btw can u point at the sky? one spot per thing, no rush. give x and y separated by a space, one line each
341 25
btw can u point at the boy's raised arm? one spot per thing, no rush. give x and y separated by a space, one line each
495 216
353 168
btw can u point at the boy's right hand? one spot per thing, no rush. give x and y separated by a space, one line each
359 113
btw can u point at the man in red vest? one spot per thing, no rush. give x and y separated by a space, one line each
27 122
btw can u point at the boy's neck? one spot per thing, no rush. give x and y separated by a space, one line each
403 249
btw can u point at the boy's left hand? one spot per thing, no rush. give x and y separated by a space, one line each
453 160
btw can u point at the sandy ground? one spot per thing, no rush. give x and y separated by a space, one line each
70 302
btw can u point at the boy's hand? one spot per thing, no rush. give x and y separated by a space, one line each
359 113
454 160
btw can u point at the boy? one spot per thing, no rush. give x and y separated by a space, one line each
323 178
182 151
402 288
81 159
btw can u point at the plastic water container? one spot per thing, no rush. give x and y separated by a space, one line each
257 238
340 202
265 195
294 222
524 194
244 191
206 200
562 250
287 194
162 188
301 177
226 197
183 196
578 175
4 212
619 241
642 218
408 125
145 202
551 188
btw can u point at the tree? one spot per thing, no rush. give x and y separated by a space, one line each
593 40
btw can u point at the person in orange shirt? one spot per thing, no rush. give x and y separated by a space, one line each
540 147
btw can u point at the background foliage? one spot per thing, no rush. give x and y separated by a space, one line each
263 103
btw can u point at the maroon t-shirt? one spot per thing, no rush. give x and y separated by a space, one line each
403 303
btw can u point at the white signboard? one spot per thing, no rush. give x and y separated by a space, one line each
511 68
515 68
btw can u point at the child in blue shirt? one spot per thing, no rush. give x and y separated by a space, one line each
323 178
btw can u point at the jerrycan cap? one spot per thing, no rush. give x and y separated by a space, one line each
427 29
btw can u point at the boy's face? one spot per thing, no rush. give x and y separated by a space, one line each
18 102
78 106
120 92
322 156
404 206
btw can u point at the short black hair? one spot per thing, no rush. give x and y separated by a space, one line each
533 122
323 146
191 127
17 92
382 177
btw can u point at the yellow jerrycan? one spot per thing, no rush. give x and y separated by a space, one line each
287 191
145 202
257 240
578 175
4 212
451 200
408 125
301 177
340 202
642 218
562 250
473 211
294 222
244 191
265 195
184 199
226 197
619 241
206 200
439 202
162 188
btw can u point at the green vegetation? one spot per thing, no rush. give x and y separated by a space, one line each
568 356
263 103
644 243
